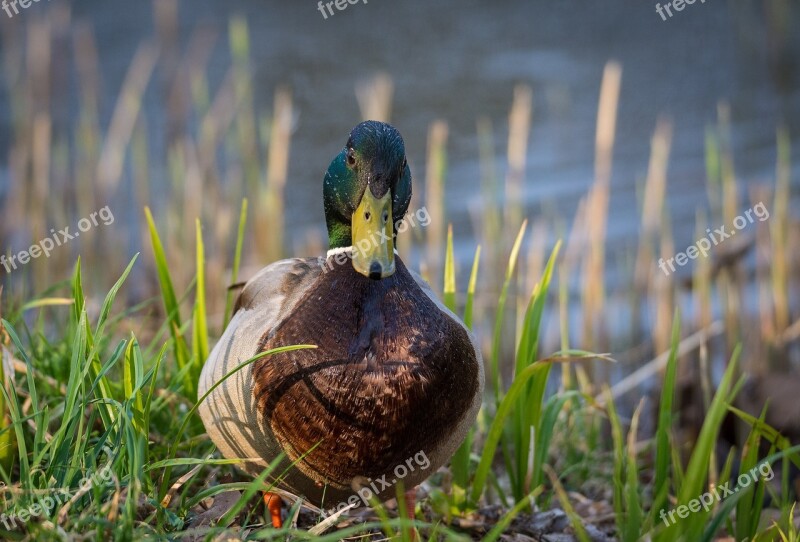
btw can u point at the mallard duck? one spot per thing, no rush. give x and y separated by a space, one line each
395 374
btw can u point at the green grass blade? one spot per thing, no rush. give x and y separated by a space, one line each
170 305
8 450
770 433
200 321
104 389
154 380
497 338
546 430
112 294
697 470
665 418
529 342
459 464
133 378
15 412
574 518
237 260
449 273
473 281
498 423
46 302
618 476
527 416
459 468
748 510
498 530
77 291
633 501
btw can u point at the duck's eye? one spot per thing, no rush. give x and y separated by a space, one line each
351 157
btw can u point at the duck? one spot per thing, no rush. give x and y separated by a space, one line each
395 376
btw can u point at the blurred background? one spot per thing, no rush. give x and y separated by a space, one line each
622 134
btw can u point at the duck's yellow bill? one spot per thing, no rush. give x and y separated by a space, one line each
373 242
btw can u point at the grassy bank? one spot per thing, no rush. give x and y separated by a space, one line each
101 357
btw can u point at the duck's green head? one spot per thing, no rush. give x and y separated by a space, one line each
367 190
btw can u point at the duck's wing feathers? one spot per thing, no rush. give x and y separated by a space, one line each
229 412
279 284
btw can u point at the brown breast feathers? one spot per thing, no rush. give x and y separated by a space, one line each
392 375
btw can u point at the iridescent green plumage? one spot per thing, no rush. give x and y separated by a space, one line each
374 156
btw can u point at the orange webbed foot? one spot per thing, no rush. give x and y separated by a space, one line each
275 506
